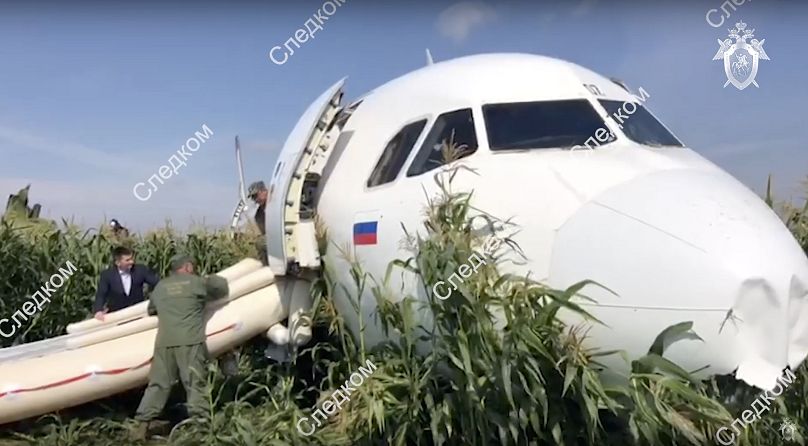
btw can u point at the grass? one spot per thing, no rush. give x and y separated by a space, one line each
496 367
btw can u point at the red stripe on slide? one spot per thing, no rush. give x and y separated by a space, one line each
102 372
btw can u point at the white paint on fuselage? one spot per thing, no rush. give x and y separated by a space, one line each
565 203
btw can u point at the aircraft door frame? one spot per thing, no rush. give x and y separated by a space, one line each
284 224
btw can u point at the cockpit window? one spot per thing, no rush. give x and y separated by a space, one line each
542 125
395 154
456 127
641 126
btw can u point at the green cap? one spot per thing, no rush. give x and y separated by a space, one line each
180 259
255 187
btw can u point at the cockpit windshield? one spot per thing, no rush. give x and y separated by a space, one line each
543 125
641 126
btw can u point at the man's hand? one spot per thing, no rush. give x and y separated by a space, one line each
100 315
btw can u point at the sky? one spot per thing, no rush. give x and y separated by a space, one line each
96 96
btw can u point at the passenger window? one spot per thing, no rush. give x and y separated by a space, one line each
456 126
395 154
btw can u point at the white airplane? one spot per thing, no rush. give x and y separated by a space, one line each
674 236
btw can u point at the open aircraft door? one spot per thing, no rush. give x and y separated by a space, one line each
291 236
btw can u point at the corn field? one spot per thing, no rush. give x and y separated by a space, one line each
31 253
532 384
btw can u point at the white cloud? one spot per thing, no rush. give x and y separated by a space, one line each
457 21
738 148
100 184
92 202
69 151
584 7
268 146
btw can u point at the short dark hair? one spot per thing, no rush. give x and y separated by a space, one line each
179 260
121 251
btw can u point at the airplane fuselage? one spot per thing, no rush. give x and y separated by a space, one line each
671 234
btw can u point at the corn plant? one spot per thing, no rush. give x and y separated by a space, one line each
29 255
491 364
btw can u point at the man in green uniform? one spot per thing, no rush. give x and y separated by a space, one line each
260 195
179 348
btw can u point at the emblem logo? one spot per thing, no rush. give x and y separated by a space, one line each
788 430
741 58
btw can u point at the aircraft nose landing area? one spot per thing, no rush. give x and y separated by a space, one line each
686 245
773 317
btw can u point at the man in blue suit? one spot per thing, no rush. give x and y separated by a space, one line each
122 285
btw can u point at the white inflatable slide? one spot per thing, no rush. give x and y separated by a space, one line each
98 359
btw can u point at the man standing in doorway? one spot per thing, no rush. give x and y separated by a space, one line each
121 285
179 348
260 195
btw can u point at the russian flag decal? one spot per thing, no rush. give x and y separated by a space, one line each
364 233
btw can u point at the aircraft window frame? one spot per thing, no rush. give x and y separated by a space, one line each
422 156
390 176
506 146
626 130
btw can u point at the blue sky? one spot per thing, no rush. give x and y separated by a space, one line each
96 96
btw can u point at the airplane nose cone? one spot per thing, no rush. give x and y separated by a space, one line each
684 245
